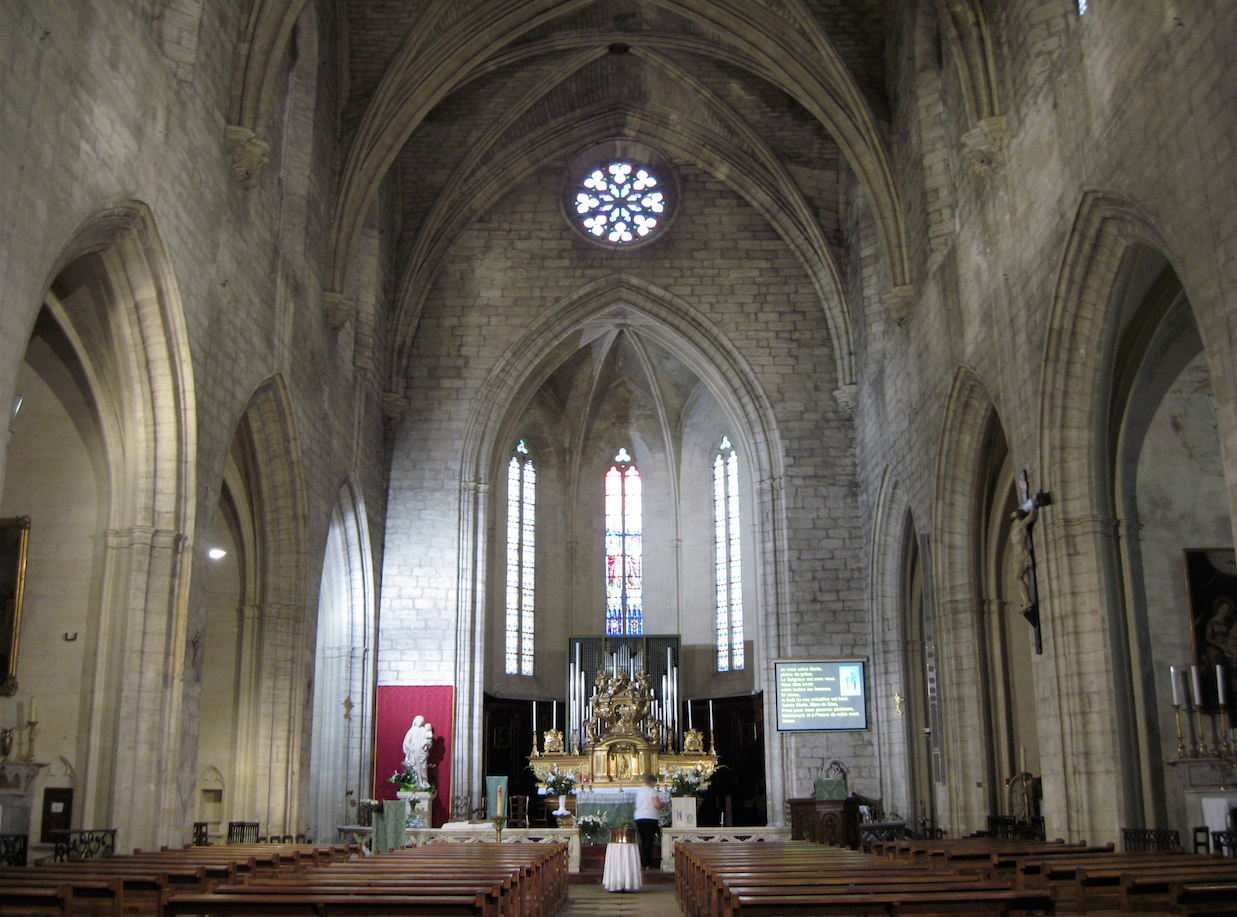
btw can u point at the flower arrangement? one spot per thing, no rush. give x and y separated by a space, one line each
688 781
557 783
406 780
593 822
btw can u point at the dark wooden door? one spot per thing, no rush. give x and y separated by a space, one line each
57 812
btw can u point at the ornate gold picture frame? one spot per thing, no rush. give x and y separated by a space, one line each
14 539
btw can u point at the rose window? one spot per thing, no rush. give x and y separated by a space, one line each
620 203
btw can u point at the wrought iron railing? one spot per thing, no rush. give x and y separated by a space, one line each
1145 839
86 844
12 850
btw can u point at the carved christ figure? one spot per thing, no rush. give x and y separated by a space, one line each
1022 540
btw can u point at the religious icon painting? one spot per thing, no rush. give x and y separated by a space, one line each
1211 586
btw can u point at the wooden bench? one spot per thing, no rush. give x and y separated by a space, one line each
1210 898
725 880
979 901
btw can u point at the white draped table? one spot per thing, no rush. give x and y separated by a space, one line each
622 872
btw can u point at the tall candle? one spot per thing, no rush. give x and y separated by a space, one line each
1172 673
689 714
534 717
1022 759
32 716
710 715
1220 686
1198 686
499 810
554 714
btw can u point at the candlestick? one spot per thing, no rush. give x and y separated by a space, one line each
1180 743
30 724
1172 672
1202 741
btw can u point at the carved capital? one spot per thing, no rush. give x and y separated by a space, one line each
394 405
985 142
898 302
337 309
846 396
247 154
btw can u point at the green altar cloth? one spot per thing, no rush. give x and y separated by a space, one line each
389 826
618 808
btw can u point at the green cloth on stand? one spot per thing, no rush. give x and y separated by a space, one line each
389 826
618 813
491 797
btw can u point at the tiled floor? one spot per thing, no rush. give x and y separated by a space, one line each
595 901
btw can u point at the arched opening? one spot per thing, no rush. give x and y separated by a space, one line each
1168 496
921 698
99 463
251 646
56 476
1010 687
341 753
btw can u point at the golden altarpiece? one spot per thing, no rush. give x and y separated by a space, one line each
625 733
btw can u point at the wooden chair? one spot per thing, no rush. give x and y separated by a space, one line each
519 812
1202 839
242 832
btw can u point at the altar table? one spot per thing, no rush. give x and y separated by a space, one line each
622 872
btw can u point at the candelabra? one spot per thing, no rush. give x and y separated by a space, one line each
30 724
1180 742
1202 751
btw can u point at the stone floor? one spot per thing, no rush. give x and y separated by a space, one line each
595 901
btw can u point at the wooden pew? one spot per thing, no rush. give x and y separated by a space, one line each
732 879
1206 898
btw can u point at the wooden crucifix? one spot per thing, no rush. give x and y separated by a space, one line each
1023 541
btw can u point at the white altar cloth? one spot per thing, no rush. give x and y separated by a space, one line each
622 872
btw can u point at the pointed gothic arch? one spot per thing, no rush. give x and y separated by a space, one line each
114 328
341 752
512 385
1104 753
271 750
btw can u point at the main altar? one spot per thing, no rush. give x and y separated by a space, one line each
625 731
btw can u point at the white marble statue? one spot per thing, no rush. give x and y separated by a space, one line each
417 742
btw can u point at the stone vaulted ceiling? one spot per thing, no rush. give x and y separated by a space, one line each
450 102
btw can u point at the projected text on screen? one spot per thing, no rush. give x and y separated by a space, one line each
821 694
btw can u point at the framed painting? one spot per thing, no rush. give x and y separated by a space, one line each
1211 589
14 540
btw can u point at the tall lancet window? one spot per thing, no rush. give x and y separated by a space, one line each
728 564
521 559
624 594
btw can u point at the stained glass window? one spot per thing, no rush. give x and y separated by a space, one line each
521 557
624 593
620 202
728 564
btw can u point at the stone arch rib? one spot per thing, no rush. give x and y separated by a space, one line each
968 414
281 613
1078 609
255 79
149 430
888 634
